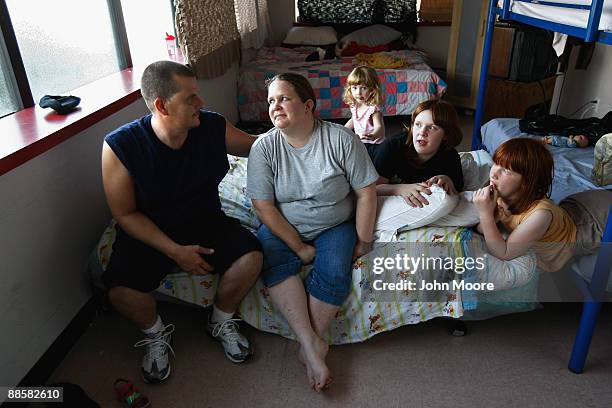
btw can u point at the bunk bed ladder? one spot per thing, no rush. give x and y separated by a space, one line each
484 69
594 293
592 29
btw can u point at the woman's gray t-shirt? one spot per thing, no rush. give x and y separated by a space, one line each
313 185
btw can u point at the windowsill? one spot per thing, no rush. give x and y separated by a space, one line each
33 131
30 132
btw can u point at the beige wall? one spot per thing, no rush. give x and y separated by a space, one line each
282 16
582 86
221 94
434 40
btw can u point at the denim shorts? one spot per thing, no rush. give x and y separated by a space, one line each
331 276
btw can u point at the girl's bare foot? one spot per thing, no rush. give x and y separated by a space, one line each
313 354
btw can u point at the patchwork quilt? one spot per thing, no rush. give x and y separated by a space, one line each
403 88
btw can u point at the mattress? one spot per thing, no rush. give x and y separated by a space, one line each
403 88
572 17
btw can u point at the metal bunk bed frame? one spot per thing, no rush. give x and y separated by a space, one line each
593 292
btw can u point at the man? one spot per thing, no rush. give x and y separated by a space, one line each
161 175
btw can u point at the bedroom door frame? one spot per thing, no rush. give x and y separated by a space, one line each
451 66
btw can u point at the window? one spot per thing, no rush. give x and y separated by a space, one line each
8 100
146 29
55 47
61 52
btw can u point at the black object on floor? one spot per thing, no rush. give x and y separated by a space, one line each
458 328
74 397
61 104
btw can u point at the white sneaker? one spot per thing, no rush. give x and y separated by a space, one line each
237 348
156 361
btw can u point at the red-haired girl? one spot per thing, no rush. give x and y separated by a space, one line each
520 182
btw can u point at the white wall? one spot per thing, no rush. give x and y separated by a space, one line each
282 16
434 40
582 86
52 213
221 94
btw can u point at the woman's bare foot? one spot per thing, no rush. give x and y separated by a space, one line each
312 354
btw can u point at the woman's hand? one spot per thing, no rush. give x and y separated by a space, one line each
413 194
361 248
189 259
443 181
306 253
485 200
370 136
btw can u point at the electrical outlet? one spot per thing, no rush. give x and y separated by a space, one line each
594 107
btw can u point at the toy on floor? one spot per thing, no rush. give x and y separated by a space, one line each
128 393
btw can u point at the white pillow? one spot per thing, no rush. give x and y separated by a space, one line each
394 214
311 36
372 35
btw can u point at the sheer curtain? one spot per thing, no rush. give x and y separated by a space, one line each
253 20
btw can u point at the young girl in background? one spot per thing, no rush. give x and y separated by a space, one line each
363 94
520 182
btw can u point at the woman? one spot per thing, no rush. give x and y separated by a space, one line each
307 178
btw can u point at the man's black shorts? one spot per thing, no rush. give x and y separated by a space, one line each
138 266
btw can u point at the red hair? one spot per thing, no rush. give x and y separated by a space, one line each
532 160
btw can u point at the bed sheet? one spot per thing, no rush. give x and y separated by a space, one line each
573 166
572 17
403 88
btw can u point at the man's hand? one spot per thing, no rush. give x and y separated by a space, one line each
188 258
361 248
443 181
306 253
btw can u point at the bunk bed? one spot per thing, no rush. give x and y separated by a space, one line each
592 22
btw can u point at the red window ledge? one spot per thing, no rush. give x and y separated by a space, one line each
31 132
